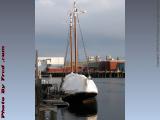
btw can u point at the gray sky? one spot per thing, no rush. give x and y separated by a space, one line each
103 26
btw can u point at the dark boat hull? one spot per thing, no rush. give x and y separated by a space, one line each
79 97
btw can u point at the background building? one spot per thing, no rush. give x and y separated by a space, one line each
44 62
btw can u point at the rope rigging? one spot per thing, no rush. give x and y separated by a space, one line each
84 48
83 44
66 52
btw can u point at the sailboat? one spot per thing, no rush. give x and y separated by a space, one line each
77 87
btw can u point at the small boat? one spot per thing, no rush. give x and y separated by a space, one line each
77 87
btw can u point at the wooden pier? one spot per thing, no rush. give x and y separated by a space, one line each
108 74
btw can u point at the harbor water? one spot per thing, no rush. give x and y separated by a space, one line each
109 103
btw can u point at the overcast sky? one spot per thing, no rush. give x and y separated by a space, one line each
103 26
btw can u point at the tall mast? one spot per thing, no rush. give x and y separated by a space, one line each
75 36
71 59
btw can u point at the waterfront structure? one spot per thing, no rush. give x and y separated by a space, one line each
51 60
54 62
112 65
94 58
102 66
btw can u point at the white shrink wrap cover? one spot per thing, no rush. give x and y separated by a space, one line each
75 83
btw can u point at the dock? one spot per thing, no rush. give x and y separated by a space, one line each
56 102
46 100
97 74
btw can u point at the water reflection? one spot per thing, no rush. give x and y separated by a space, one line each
86 110
110 100
48 115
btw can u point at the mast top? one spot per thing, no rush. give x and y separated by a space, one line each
76 10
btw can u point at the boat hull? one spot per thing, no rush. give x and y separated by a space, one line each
85 108
79 97
78 88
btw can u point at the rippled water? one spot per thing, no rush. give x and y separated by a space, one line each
109 104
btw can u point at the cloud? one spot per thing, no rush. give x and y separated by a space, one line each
100 5
105 19
53 13
45 2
